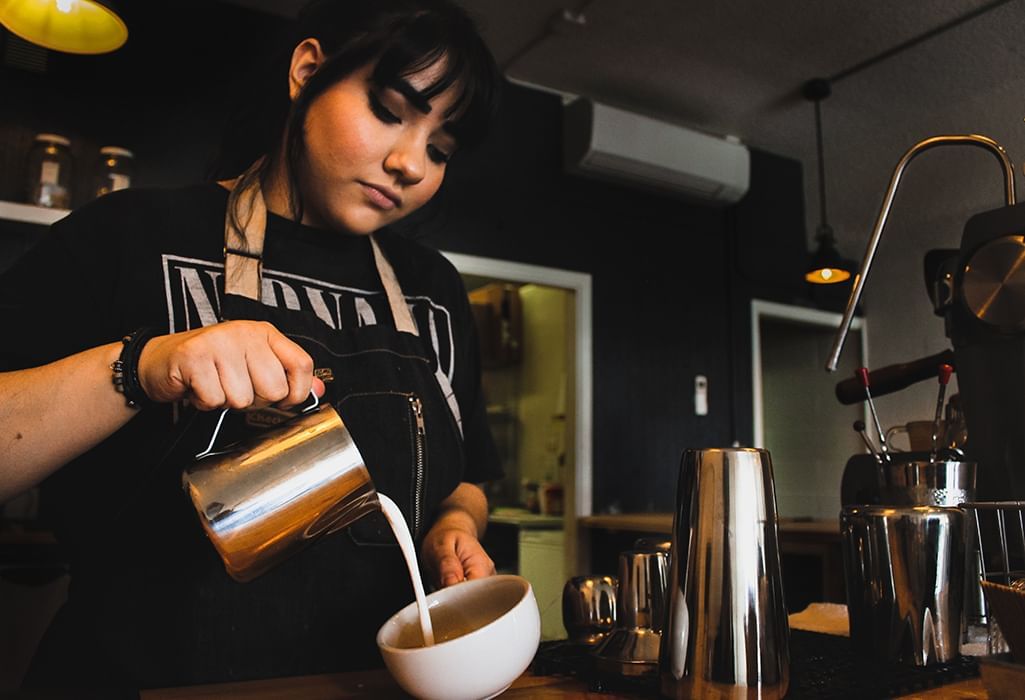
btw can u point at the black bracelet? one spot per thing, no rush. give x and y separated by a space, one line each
126 367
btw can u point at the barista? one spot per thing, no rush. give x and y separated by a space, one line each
146 310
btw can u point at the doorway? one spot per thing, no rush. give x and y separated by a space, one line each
798 419
534 325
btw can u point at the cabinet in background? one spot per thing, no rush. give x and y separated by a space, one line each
498 313
542 563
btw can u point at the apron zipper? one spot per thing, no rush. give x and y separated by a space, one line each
418 435
419 439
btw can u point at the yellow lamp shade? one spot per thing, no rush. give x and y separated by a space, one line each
71 26
827 275
827 266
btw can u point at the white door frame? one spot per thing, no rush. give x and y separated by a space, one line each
580 284
813 317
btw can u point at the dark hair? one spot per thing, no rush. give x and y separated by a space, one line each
401 37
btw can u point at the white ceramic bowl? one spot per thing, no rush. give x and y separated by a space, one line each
505 629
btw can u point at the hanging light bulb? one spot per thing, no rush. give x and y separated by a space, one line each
826 265
71 26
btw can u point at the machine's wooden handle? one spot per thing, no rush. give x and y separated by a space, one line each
893 378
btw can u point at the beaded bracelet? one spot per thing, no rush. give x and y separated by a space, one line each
126 367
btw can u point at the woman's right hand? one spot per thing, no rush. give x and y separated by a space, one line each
233 364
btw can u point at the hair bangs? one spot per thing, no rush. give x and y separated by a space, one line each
467 66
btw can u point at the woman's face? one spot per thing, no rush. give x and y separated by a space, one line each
374 154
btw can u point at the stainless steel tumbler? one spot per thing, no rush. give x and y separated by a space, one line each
726 633
904 568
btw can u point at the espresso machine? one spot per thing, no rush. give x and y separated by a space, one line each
897 553
979 290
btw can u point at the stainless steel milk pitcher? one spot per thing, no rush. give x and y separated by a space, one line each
266 498
904 568
726 633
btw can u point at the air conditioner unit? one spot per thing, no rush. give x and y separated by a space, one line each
611 144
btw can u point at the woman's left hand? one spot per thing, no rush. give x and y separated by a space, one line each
451 554
451 550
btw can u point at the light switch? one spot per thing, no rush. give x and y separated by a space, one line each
701 395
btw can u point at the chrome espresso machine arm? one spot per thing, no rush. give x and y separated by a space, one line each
859 280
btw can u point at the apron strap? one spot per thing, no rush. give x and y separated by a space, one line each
243 269
243 250
243 255
396 300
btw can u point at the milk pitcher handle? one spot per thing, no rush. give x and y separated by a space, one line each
209 451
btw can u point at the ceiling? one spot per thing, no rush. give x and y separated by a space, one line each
736 67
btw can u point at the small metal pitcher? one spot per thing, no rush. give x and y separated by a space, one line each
631 649
264 499
589 608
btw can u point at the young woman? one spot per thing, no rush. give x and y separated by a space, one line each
247 292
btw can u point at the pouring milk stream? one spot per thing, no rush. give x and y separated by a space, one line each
398 526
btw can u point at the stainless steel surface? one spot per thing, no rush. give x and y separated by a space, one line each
937 424
995 552
956 432
589 607
993 284
272 495
629 652
884 449
924 483
653 543
904 570
859 280
642 589
859 427
726 633
632 647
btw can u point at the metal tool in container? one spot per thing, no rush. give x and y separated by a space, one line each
859 428
726 633
863 377
943 376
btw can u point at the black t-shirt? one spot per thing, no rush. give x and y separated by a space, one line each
155 258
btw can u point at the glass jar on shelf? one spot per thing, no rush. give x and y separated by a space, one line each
49 171
114 170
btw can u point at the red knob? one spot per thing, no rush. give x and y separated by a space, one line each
945 372
862 373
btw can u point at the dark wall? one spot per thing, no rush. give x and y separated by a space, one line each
672 280
163 95
659 286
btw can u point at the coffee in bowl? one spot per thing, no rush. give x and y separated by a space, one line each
486 632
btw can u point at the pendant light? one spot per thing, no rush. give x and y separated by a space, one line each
71 26
826 265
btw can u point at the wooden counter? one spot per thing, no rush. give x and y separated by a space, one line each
825 618
662 524
379 685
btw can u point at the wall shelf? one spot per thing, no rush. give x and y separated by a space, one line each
28 213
